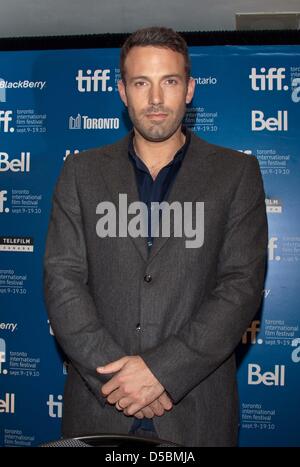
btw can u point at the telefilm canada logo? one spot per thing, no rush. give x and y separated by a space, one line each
274 206
17 244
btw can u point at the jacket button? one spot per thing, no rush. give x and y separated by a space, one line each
148 278
138 327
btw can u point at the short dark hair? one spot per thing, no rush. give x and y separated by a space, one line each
156 37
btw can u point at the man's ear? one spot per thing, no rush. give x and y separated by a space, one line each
122 91
190 90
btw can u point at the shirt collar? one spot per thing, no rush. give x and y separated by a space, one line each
178 158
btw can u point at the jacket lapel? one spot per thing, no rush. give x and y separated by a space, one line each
190 183
119 177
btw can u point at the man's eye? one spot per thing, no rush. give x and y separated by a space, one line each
171 81
140 83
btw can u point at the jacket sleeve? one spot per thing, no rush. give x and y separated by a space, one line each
72 312
211 335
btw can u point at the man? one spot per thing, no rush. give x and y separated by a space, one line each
150 322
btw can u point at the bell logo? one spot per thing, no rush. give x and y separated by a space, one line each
15 165
7 405
268 378
259 123
55 407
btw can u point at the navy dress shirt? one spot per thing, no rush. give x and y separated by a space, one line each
156 190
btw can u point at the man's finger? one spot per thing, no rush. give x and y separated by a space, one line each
112 385
124 402
157 408
147 412
112 367
114 396
165 401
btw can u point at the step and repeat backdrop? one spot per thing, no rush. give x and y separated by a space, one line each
55 103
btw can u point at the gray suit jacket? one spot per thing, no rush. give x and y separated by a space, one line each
191 315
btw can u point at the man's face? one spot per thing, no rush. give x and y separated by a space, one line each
156 91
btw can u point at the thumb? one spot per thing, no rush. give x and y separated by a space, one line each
113 366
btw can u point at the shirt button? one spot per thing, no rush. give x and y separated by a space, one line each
138 327
148 278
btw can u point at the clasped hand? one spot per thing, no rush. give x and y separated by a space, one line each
134 389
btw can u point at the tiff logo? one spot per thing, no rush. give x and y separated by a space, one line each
265 80
90 82
252 332
2 92
3 198
55 407
272 246
5 118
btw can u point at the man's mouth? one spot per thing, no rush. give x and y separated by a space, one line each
157 116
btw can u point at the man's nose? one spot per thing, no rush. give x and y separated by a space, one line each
156 95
